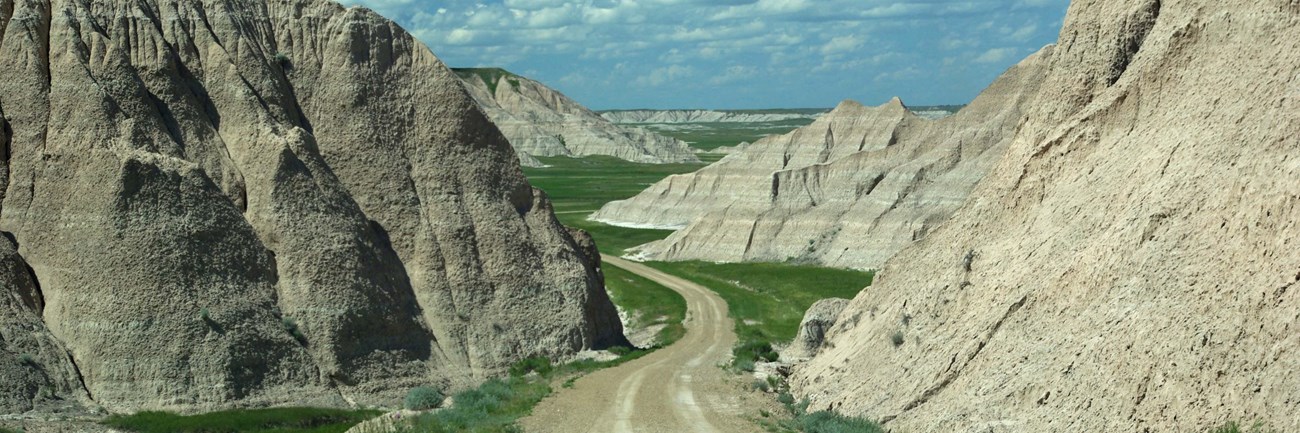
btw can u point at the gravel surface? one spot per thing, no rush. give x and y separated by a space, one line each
680 388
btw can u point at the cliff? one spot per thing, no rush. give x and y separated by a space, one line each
244 203
540 121
1130 263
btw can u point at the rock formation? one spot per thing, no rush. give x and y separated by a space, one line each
819 319
540 121
849 190
701 116
264 202
1129 265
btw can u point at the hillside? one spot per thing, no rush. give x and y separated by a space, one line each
849 190
1131 262
262 202
539 121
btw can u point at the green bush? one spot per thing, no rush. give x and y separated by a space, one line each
829 422
897 338
492 407
423 398
750 352
537 364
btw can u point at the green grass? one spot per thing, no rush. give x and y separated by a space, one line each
580 186
709 136
284 420
652 303
497 405
493 407
586 184
768 300
490 76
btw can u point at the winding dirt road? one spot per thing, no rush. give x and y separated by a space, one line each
677 389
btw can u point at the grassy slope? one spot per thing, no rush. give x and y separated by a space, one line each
768 300
285 420
654 304
709 136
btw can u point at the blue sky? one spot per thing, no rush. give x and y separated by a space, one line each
611 54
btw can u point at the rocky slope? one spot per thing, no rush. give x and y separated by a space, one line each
1130 264
849 190
262 202
540 121
700 116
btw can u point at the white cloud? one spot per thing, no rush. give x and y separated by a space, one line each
996 55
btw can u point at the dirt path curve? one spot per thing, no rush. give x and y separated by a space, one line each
677 389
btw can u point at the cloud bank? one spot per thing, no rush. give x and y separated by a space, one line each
738 53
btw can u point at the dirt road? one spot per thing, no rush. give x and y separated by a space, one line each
677 389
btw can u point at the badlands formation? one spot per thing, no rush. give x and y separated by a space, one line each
849 190
540 121
211 205
1131 263
699 116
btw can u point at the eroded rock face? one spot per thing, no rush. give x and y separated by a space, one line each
850 190
35 368
539 121
819 319
1129 265
272 202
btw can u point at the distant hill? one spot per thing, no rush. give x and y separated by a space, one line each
540 121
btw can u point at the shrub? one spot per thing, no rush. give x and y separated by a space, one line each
786 399
759 385
423 398
829 422
745 355
27 359
537 364
897 338
291 327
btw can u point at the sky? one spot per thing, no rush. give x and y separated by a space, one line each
622 54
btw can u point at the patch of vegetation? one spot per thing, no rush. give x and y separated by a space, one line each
709 136
5 430
491 76
493 407
284 420
648 303
818 422
768 300
585 184
291 327
423 398
27 359
536 364
897 338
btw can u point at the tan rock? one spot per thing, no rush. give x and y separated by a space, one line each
273 202
1129 265
819 319
539 121
35 368
849 190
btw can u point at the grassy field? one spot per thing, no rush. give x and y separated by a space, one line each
285 420
583 185
654 304
768 300
709 136
580 186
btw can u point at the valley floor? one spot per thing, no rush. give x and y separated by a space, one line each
679 388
